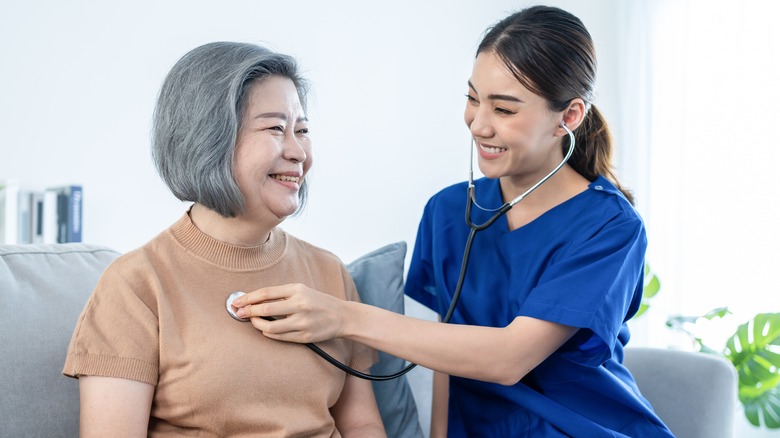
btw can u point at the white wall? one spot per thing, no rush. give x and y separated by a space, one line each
78 80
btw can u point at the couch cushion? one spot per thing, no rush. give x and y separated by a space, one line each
43 289
378 277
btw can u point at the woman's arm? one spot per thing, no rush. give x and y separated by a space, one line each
114 407
500 355
356 412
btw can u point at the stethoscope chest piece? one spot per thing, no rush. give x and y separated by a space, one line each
232 310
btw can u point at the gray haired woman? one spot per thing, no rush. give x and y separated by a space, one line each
154 350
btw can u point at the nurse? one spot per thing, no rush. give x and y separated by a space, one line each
535 345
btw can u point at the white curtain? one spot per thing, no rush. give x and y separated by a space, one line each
700 113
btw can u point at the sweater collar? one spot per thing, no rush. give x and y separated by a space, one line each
226 255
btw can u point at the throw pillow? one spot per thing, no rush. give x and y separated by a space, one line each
378 277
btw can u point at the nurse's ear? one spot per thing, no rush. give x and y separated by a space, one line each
572 116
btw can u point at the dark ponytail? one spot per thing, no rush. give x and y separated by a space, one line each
592 155
551 53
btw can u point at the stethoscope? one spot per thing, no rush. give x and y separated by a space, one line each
470 200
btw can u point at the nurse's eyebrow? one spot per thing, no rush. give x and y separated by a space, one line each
497 96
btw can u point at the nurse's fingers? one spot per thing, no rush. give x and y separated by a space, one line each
284 330
309 317
298 330
280 292
278 309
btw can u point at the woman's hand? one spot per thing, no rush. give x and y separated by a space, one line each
297 313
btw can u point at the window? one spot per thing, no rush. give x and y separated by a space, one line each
704 155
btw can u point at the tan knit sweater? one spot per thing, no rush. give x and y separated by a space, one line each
158 316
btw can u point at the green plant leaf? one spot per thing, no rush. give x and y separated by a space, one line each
718 312
642 309
650 288
681 323
766 407
678 321
754 349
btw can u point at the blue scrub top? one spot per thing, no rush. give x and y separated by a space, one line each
579 264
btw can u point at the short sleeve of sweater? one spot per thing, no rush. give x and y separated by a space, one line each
362 356
117 332
593 286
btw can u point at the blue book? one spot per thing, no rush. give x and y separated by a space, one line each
70 213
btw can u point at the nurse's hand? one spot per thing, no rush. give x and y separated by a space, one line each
300 314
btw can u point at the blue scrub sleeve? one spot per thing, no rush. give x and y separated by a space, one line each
420 284
594 285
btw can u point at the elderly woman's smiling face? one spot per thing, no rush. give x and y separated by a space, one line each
273 150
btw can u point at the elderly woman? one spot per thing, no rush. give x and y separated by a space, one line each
154 350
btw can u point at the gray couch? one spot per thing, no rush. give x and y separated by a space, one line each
44 287
42 291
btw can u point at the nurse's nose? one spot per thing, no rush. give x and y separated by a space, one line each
479 125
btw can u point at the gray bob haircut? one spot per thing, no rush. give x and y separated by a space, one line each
198 115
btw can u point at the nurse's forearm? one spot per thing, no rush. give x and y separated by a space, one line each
500 355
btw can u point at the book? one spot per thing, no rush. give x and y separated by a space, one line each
49 216
36 217
24 219
70 204
9 212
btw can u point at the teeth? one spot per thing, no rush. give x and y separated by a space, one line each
294 179
491 150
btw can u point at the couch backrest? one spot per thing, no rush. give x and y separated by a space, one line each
695 394
43 289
